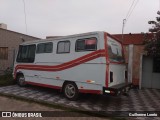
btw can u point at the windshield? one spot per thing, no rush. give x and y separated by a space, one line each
114 50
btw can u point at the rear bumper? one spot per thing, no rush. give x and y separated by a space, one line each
117 89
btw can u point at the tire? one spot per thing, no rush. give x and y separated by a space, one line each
21 80
70 91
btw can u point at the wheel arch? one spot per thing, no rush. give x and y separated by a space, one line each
18 74
67 81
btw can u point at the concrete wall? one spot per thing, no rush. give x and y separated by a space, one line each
138 50
11 40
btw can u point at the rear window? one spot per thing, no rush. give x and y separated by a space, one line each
115 50
87 44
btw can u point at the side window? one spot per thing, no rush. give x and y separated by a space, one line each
26 54
63 47
87 44
45 47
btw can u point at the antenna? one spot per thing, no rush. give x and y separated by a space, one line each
25 17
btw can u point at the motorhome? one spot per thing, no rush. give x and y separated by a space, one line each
83 63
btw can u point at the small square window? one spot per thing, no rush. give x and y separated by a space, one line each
88 44
63 47
45 47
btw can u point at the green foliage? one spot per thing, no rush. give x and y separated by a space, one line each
8 71
152 47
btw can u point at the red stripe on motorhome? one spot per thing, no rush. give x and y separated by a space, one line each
43 85
58 87
78 61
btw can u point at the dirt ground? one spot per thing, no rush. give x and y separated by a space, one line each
11 104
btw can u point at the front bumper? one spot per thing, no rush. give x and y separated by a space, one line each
117 89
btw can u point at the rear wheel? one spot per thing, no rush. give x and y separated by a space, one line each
21 80
70 91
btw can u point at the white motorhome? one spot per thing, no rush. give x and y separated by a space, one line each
82 63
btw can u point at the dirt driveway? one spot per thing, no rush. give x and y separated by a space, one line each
11 104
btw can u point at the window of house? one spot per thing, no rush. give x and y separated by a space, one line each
156 64
4 53
26 53
45 47
88 44
63 47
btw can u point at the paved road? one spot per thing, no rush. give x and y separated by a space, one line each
139 100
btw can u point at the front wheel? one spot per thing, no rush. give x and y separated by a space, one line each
70 91
21 80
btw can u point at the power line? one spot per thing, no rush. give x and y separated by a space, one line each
132 7
25 17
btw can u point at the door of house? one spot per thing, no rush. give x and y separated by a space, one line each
150 73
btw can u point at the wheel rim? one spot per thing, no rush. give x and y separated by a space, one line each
21 81
70 91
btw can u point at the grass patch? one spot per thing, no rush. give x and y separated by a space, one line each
6 80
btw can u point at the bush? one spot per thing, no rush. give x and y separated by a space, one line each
6 79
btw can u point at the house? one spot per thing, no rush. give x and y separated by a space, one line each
9 42
145 70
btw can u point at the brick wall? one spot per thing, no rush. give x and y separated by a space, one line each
137 51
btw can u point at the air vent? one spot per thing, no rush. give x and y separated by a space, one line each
126 75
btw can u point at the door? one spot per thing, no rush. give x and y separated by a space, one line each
150 77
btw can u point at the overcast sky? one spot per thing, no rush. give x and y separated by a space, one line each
65 17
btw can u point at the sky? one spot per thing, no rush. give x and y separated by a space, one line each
67 17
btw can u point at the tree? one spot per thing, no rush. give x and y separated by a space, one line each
152 46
